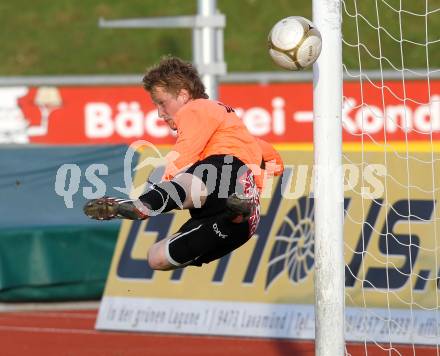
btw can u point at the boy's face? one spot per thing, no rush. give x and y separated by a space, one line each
168 104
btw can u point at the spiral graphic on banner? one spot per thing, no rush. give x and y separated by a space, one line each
294 248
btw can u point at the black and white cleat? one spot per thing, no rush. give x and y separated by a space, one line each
108 208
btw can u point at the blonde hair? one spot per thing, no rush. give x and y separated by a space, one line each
174 74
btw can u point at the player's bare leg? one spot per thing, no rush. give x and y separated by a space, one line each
195 190
158 258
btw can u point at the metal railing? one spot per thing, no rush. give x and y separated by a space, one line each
233 77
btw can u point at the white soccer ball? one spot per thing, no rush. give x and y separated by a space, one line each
294 43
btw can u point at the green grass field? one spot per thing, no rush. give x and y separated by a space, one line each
44 37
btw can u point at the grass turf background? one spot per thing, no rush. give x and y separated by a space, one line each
62 37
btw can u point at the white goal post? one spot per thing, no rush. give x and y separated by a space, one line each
385 293
328 193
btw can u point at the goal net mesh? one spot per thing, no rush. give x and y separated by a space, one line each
391 144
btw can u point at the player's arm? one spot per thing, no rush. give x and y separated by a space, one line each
271 158
194 132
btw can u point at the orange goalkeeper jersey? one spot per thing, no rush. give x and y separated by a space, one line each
205 128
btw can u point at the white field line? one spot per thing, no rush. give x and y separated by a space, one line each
34 329
12 307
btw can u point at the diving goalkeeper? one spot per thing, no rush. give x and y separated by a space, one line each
216 170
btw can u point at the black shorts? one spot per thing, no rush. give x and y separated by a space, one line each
210 234
204 240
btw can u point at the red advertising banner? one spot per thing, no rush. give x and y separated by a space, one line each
279 113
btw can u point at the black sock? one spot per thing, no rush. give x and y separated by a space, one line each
163 197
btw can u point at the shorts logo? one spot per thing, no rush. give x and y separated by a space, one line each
218 232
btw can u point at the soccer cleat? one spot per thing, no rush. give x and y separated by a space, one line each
239 208
107 208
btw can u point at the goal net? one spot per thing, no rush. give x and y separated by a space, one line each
391 167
